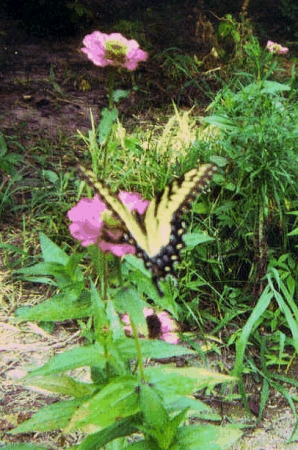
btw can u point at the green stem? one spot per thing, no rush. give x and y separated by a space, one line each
105 277
139 351
111 86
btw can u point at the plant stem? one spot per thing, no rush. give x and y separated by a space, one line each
139 351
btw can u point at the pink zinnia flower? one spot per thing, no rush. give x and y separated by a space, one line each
167 326
92 222
113 50
273 47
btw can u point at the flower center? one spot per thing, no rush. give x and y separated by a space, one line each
116 51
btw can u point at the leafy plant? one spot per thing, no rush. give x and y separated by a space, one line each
120 401
185 69
9 161
258 135
254 121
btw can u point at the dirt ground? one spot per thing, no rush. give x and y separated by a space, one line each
48 88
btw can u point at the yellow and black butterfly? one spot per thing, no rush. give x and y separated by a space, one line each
157 234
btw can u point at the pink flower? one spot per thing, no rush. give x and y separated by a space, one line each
92 223
113 50
167 326
273 47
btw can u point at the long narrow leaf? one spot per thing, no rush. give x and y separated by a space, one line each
249 327
287 312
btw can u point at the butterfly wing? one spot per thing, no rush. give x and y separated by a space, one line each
157 234
166 208
131 225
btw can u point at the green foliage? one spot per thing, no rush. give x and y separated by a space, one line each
10 159
289 11
258 134
250 268
119 401
179 67
230 38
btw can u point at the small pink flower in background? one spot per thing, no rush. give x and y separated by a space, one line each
273 47
90 227
113 50
168 326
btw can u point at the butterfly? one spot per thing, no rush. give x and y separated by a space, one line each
157 234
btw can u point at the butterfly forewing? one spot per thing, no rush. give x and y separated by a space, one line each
163 210
132 227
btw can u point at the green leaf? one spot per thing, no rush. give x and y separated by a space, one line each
248 328
164 436
52 417
51 252
13 249
118 94
195 407
141 445
129 301
210 437
151 405
3 146
115 322
220 121
117 400
64 306
265 392
220 161
134 270
271 87
65 275
294 232
50 175
196 238
120 428
72 269
92 355
152 349
171 381
61 384
287 306
43 268
108 117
